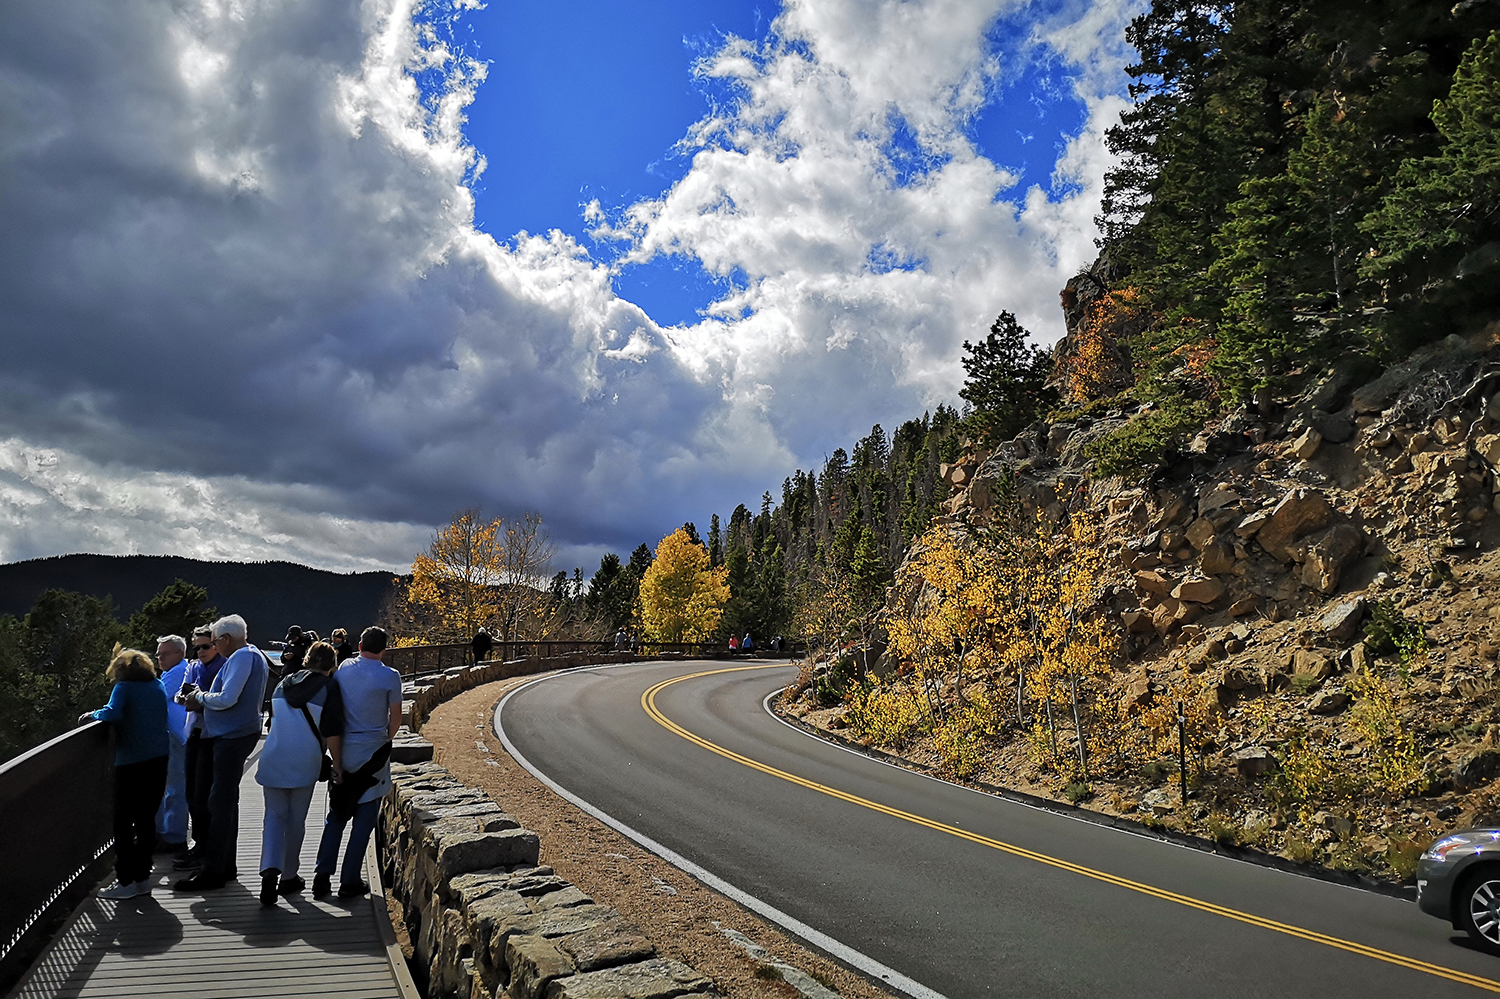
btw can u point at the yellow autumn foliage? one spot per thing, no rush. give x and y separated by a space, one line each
682 597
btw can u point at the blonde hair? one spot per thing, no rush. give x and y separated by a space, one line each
129 664
321 658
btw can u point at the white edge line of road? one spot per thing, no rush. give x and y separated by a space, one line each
822 941
766 706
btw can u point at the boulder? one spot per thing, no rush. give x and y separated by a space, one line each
1137 693
1488 447
1135 621
1328 702
1200 533
1251 525
1198 591
1326 556
1307 445
1477 768
1254 761
1217 497
1153 582
1333 429
1243 606
1217 558
1342 623
1299 512
1309 663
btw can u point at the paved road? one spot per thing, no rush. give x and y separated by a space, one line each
969 895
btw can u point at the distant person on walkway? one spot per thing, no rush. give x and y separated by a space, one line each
290 763
746 644
341 648
483 644
293 649
172 818
200 674
231 728
622 641
137 709
734 644
361 718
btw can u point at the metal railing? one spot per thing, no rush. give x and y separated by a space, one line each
58 803
416 660
421 660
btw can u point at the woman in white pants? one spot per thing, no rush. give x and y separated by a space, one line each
290 762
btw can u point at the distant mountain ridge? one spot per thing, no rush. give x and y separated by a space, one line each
270 596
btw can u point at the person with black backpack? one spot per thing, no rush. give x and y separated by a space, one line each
292 761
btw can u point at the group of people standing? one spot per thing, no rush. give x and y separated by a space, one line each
185 729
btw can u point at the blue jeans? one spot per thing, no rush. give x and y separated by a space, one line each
365 814
172 817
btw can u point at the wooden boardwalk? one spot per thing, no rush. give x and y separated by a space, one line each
224 943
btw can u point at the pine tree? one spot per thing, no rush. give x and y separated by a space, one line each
1006 383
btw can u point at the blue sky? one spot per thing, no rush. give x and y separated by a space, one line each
588 100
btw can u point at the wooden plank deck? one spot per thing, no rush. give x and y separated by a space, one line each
223 943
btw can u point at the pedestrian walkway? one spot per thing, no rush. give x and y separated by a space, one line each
223 943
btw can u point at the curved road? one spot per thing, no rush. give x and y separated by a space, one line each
958 893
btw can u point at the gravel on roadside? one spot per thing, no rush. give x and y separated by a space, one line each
672 908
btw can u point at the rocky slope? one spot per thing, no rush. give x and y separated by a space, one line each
1272 563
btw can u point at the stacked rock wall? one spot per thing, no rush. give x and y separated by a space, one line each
485 920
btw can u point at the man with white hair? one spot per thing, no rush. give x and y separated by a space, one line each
231 728
172 817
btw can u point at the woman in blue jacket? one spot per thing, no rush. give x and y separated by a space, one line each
137 709
290 763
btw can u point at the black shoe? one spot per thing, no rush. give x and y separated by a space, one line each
322 886
292 886
269 881
187 862
201 882
354 889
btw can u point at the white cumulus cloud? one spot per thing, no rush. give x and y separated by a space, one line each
247 314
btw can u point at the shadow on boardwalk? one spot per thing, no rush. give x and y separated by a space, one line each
222 944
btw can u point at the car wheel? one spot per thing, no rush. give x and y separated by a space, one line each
1479 908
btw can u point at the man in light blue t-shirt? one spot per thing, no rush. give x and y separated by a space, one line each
361 717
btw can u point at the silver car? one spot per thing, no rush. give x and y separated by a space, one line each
1458 879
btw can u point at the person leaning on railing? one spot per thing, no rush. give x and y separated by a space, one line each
137 709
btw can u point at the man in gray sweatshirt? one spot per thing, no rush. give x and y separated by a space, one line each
231 728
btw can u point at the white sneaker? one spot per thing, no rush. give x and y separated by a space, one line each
143 887
119 890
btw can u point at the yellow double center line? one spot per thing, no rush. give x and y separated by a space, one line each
648 702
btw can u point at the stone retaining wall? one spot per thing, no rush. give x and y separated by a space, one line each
486 921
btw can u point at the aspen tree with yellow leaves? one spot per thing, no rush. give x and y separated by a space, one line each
682 596
453 582
1017 606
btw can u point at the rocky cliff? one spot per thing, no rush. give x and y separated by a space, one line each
1292 546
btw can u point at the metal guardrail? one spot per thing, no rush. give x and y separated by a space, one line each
58 803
